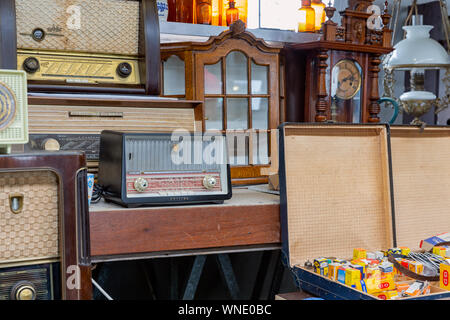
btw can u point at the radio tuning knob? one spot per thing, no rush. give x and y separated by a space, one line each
31 65
23 290
38 34
209 182
140 184
124 69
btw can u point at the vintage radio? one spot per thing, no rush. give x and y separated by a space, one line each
44 227
13 109
138 169
96 43
74 121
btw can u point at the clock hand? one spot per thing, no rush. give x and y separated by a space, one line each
351 77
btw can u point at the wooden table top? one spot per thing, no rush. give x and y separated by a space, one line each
249 218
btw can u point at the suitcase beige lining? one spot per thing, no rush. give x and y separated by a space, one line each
421 177
338 190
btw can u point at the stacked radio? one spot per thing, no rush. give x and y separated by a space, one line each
102 45
64 51
149 169
79 92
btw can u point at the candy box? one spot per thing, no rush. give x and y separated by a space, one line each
444 277
352 276
333 270
375 285
342 273
404 263
386 267
394 251
440 251
428 243
359 253
347 186
417 288
321 266
405 250
402 286
387 295
373 272
416 267
361 267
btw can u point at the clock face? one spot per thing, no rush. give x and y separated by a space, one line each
346 79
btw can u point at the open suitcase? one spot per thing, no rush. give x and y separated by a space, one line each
346 186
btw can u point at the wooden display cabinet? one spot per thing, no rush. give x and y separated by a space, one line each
237 77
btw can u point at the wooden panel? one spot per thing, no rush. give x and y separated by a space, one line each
151 48
49 113
64 119
117 231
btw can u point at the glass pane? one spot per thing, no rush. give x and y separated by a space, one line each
237 75
238 143
259 78
214 113
260 113
237 113
174 76
260 147
213 78
346 80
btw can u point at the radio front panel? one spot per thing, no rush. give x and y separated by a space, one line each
79 69
156 161
29 235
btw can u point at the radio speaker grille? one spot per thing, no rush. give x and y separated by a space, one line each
32 233
100 26
13 107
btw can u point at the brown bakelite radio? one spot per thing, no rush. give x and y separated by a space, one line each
44 227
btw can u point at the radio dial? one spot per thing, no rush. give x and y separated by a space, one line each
124 70
140 185
209 182
31 65
51 144
23 290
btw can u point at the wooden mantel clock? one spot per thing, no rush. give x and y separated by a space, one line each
336 78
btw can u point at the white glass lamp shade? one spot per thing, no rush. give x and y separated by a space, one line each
418 50
417 96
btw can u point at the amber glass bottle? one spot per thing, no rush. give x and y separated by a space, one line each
184 11
319 8
204 12
241 5
307 17
232 13
172 11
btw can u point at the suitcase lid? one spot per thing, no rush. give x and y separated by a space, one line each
335 190
421 178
